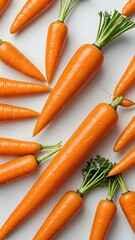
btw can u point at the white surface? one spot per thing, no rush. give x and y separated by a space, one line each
82 25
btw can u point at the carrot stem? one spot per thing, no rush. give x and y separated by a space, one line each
40 159
112 187
1 41
65 8
122 184
51 146
117 102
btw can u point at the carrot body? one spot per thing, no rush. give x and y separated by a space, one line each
83 141
126 136
127 203
56 39
12 88
11 56
125 163
104 216
127 80
3 5
127 103
129 8
9 112
69 205
82 66
29 12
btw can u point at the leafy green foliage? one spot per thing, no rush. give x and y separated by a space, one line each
65 8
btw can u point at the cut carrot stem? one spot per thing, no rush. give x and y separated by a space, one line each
129 8
3 5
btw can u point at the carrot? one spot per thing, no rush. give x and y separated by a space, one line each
83 141
105 213
14 147
10 112
125 163
56 38
3 5
11 56
129 8
126 136
127 79
127 103
29 12
84 64
127 203
12 88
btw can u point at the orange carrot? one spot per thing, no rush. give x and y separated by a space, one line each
84 64
10 112
127 103
12 88
127 79
129 8
3 5
11 56
89 134
14 147
29 12
125 163
126 136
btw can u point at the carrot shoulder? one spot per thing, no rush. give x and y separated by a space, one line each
3 5
129 8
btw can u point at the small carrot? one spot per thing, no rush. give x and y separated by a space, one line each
14 147
56 38
3 5
94 175
105 213
11 56
125 163
129 8
127 79
127 103
83 141
84 64
10 112
126 136
12 88
30 11
127 203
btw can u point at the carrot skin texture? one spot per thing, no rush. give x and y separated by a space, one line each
12 57
127 103
3 5
30 10
129 8
12 88
56 39
68 206
126 136
82 67
125 163
88 135
104 216
127 203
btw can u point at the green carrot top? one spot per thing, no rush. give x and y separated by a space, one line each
112 187
65 8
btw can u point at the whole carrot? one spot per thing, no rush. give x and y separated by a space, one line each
126 136
12 88
10 112
3 5
11 56
84 64
56 38
29 12
129 8
83 141
125 163
94 175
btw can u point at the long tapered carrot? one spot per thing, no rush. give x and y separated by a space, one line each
3 5
129 8
12 88
125 163
83 141
11 56
84 64
10 112
56 38
126 136
29 12
127 79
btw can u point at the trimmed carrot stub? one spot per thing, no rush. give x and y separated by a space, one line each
127 203
72 202
125 163
88 135
3 5
10 112
84 64
126 136
30 11
127 103
12 57
129 8
56 38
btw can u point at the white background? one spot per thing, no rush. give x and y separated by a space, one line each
82 24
